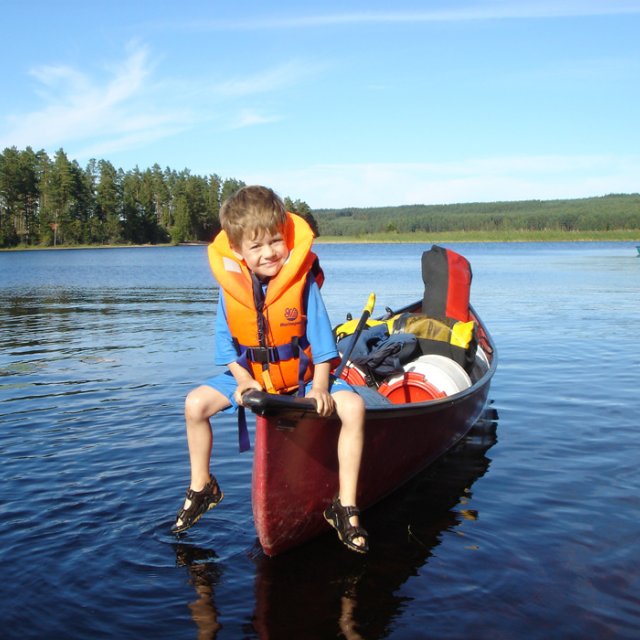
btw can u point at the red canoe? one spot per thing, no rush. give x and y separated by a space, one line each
295 467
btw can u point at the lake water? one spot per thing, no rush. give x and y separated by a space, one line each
529 529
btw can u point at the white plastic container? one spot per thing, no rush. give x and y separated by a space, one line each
442 372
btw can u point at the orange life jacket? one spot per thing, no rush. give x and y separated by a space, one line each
280 359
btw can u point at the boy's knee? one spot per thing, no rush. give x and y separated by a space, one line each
350 404
356 402
195 405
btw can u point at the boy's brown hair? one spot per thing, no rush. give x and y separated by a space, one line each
251 211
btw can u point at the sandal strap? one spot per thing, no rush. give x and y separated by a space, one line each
212 484
344 513
355 532
338 517
198 499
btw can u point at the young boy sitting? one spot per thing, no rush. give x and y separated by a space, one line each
270 297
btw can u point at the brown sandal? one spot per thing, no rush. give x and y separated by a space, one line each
201 502
338 517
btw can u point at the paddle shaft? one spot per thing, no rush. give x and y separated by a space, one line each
366 313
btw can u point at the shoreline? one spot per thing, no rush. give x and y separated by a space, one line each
631 236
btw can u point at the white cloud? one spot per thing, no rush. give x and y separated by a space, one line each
52 76
472 180
251 118
267 80
128 107
80 111
469 11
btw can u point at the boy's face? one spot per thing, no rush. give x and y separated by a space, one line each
265 255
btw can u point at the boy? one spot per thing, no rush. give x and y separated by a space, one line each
270 297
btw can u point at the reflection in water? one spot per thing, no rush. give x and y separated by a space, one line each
347 624
204 574
314 591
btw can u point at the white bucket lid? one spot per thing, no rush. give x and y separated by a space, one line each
442 372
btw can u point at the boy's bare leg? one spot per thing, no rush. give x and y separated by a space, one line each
200 404
350 409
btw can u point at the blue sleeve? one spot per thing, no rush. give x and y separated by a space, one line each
319 331
225 350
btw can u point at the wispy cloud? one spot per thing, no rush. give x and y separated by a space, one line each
266 80
467 11
470 180
231 94
129 106
251 118
81 111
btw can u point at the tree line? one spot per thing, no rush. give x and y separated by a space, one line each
606 213
54 201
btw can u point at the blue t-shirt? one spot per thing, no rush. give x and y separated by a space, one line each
319 332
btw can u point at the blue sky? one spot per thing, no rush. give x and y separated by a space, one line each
339 104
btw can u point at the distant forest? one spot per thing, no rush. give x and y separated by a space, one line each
54 201
606 213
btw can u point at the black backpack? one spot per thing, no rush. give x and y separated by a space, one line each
379 354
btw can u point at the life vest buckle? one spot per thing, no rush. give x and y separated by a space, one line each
263 355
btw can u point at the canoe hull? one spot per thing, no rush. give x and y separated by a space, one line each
295 466
295 472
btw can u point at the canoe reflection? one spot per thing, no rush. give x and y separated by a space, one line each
321 590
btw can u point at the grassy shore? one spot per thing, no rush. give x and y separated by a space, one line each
632 236
39 247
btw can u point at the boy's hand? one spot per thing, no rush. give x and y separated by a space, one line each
325 404
243 386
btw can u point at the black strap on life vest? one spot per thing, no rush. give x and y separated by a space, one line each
258 301
244 442
265 355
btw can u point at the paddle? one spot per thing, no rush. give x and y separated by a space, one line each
366 313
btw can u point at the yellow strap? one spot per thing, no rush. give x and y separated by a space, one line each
268 385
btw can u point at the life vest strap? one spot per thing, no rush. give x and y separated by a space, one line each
304 361
266 355
244 443
263 355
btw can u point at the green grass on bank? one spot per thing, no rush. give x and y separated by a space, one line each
40 247
629 235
